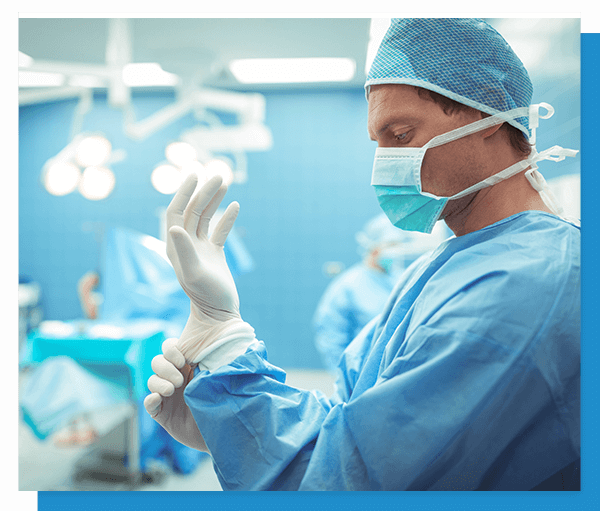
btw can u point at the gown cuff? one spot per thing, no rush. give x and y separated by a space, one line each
231 345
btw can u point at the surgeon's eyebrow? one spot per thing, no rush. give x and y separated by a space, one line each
400 122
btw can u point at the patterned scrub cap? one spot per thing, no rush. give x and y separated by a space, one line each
464 59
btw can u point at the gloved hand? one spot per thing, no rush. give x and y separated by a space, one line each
166 404
202 270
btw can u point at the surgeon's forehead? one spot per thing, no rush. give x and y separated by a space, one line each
394 106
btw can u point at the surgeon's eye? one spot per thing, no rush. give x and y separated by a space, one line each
402 137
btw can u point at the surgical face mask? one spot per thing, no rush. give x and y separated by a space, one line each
397 174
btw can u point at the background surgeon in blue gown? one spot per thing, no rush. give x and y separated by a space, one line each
469 378
359 293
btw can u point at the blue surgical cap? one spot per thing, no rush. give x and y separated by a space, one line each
464 59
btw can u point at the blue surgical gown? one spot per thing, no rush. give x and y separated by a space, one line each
469 379
348 304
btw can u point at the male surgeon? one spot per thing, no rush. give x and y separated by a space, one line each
469 377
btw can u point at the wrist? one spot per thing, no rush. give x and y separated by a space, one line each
199 342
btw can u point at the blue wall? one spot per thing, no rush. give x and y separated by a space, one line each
303 202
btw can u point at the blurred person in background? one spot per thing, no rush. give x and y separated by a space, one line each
359 293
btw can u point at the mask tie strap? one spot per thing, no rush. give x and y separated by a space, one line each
463 131
534 118
537 181
490 181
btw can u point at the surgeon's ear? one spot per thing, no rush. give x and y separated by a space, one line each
490 131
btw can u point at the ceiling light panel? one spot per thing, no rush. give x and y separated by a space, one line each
294 70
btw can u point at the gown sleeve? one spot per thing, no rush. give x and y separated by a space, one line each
260 431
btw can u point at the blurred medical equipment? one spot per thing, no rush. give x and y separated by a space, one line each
138 281
184 159
31 311
83 165
356 296
83 368
214 142
211 143
115 364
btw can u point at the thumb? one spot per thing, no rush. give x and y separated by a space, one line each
186 253
153 404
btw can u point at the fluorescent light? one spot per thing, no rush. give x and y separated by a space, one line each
147 75
39 79
25 60
295 70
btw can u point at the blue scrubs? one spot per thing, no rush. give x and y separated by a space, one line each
469 379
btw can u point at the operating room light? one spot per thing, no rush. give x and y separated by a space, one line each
93 151
194 167
220 167
180 153
293 70
166 178
61 178
96 183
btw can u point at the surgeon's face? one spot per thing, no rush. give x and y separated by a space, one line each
399 117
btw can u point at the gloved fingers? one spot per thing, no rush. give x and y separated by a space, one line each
153 404
210 210
186 253
176 209
167 371
172 354
199 203
161 386
225 225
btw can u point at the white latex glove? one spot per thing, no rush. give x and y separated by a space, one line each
166 404
214 323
